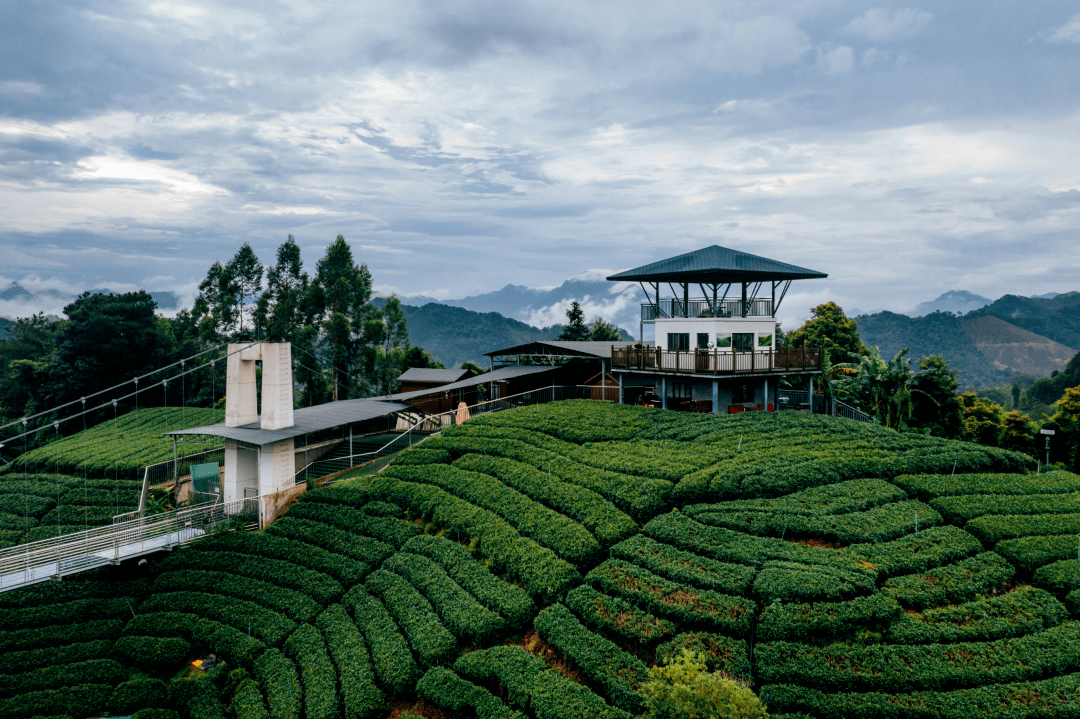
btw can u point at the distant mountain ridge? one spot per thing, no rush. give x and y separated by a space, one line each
953 301
53 299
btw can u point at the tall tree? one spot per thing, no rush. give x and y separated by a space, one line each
395 336
576 330
830 329
340 295
217 303
1066 422
935 407
247 274
604 331
281 309
882 387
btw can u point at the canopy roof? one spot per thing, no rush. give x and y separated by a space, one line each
497 375
719 265
562 348
424 374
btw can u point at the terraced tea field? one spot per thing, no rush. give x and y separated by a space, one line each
537 562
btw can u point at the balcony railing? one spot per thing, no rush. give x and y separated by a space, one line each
672 308
715 362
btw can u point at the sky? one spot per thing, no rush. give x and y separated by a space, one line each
906 150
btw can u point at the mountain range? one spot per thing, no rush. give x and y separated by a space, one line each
17 300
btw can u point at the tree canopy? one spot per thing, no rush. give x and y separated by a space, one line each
830 329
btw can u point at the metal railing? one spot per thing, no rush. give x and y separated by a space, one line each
716 361
702 307
56 557
797 399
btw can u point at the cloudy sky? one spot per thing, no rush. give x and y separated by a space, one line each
904 149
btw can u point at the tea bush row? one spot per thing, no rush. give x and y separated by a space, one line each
856 495
366 550
339 507
722 654
390 655
344 569
289 602
278 677
428 637
265 624
685 567
822 620
446 689
91 671
1029 553
993 528
928 486
41 637
618 616
307 648
968 506
1021 611
360 695
320 587
951 584
793 581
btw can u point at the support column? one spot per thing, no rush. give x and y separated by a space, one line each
621 374
241 470
663 393
765 404
241 401
716 396
277 386
277 467
810 392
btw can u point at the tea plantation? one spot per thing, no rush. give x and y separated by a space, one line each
536 563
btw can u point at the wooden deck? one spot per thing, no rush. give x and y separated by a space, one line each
715 362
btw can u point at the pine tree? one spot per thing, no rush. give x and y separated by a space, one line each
281 309
247 273
604 331
576 330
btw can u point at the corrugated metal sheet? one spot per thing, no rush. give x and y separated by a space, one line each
563 348
424 374
502 373
305 420
716 264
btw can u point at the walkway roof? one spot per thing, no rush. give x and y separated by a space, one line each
425 374
496 375
719 265
562 348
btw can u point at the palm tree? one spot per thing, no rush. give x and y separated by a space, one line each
883 388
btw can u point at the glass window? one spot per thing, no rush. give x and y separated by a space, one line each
703 340
682 390
678 341
743 341
742 392
764 341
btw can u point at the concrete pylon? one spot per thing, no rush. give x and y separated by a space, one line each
277 386
241 401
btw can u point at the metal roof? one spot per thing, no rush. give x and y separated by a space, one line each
424 374
496 375
562 348
716 264
305 420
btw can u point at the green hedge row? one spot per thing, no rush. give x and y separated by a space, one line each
422 455
927 486
932 547
155 654
1021 611
794 581
93 516
548 528
932 667
443 688
596 514
543 573
40 637
363 549
92 671
394 663
511 602
77 701
247 701
576 420
993 528
612 614
219 638
1029 553
793 621
278 678
685 567
195 698
597 658
50 656
345 512
1062 576
25 505
382 509
360 695
318 586
1056 697
879 524
122 497
855 495
638 496
51 530
307 648
265 624
531 686
727 545
465 617
293 604
131 696
68 612
722 654
678 601
11 522
959 509
342 568
951 584
1072 601
427 636
36 485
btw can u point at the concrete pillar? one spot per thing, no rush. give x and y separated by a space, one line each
277 467
241 401
277 386
663 393
716 396
241 470
810 392
765 404
620 387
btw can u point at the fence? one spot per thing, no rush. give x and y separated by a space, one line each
700 307
76 552
715 361
796 399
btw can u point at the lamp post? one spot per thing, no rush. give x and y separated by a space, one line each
1049 433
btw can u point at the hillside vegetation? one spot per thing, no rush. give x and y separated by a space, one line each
535 563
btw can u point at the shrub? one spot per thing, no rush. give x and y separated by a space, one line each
683 689
612 614
1062 576
345 570
596 514
81 700
307 648
153 653
1028 553
459 612
26 505
856 495
560 534
344 513
93 671
512 603
67 612
661 596
445 689
720 654
137 694
278 678
247 701
1021 611
928 486
598 659
360 695
993 528
1072 601
265 624
195 698
363 549
954 583
965 507
930 548
41 637
76 588
153 713
394 663
318 586
295 605
685 567
383 509
430 640
16 661
792 581
227 642
825 619
422 455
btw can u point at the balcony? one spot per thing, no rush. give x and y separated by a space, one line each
674 308
715 362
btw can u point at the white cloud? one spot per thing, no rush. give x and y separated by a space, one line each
1069 32
838 61
120 168
879 24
